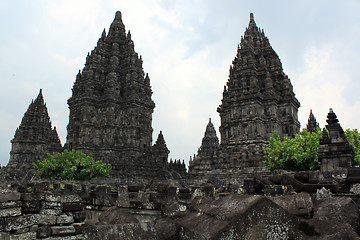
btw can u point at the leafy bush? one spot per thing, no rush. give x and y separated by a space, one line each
71 165
353 137
294 154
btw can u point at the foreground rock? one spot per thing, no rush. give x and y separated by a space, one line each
230 217
340 209
238 217
297 204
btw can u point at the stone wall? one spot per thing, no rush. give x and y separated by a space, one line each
60 210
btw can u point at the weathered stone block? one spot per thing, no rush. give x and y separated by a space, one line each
10 212
62 230
78 216
31 206
22 230
8 195
201 226
53 205
45 219
43 231
11 204
70 198
23 236
174 209
116 215
32 196
2 224
15 223
277 190
92 216
327 229
323 193
41 186
78 227
50 211
4 236
341 209
64 219
299 204
166 228
52 197
121 231
70 237
355 188
34 228
238 217
72 207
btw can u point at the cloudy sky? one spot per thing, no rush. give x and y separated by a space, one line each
187 47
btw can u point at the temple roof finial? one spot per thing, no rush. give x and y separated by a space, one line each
118 15
252 21
40 96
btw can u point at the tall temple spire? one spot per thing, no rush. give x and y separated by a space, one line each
160 151
160 143
33 139
312 124
207 153
210 141
111 104
257 74
258 98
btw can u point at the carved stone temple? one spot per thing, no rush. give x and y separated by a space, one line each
111 111
334 150
111 108
33 139
258 98
312 124
110 115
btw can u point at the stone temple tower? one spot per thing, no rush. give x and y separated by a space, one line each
111 106
33 139
258 98
207 153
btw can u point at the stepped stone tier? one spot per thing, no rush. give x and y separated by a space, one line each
258 98
334 150
111 108
33 139
312 124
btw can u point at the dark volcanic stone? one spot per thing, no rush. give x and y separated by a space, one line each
327 229
166 229
341 209
31 206
129 231
115 215
299 204
238 217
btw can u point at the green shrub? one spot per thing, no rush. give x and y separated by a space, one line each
353 137
71 165
294 154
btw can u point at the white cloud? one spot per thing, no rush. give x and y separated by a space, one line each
322 85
